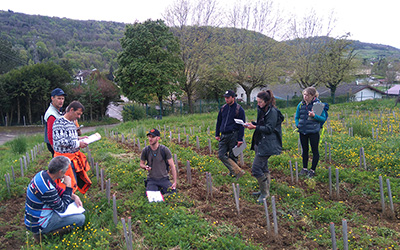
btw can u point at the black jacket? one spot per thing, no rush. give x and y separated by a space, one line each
268 133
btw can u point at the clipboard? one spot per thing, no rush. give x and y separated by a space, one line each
237 150
318 107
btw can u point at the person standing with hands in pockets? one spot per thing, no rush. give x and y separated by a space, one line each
266 141
309 125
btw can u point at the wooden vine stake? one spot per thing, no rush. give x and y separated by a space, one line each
108 187
22 167
330 183
267 215
333 236
176 164
297 172
236 196
337 182
382 194
97 171
389 194
102 179
209 146
189 172
115 218
13 173
291 170
209 185
197 142
345 239
126 235
274 215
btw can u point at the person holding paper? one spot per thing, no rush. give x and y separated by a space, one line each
229 133
266 141
309 125
157 159
44 198
67 143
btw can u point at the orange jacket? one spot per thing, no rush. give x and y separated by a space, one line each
81 166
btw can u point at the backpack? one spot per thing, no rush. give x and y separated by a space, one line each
163 155
326 108
236 111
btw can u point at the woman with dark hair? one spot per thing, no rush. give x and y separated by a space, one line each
309 125
266 141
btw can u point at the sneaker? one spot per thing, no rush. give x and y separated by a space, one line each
304 171
311 173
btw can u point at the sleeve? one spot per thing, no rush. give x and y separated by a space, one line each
50 122
56 202
219 118
168 154
143 154
297 116
270 123
321 118
242 116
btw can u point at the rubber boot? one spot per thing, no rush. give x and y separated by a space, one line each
269 184
236 169
264 188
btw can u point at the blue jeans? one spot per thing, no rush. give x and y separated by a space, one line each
57 222
260 164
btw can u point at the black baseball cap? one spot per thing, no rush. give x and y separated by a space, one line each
154 132
229 93
58 92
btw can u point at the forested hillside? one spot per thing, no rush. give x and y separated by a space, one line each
76 44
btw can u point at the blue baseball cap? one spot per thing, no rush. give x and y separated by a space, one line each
58 92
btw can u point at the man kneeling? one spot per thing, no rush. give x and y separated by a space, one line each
44 198
157 159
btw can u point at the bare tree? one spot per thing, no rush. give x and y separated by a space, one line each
308 36
191 21
254 57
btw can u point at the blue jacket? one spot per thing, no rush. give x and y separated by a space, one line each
306 124
226 123
43 197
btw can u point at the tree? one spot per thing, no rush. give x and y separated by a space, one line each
309 36
149 62
254 58
335 63
29 87
214 82
9 58
191 22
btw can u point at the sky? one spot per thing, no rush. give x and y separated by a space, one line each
366 21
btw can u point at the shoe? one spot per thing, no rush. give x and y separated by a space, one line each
240 174
311 174
264 183
304 171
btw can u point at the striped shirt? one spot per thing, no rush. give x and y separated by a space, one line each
43 197
65 136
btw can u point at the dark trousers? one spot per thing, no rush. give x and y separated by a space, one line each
313 139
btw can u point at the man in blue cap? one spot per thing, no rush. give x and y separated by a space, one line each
52 113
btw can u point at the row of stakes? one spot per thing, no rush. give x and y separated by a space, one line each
236 192
25 161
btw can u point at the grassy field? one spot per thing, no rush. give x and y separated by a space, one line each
192 220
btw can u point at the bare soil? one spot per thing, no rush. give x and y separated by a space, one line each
220 208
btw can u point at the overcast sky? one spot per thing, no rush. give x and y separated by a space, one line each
367 21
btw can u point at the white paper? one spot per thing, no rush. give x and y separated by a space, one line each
154 196
92 138
237 150
239 121
71 210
